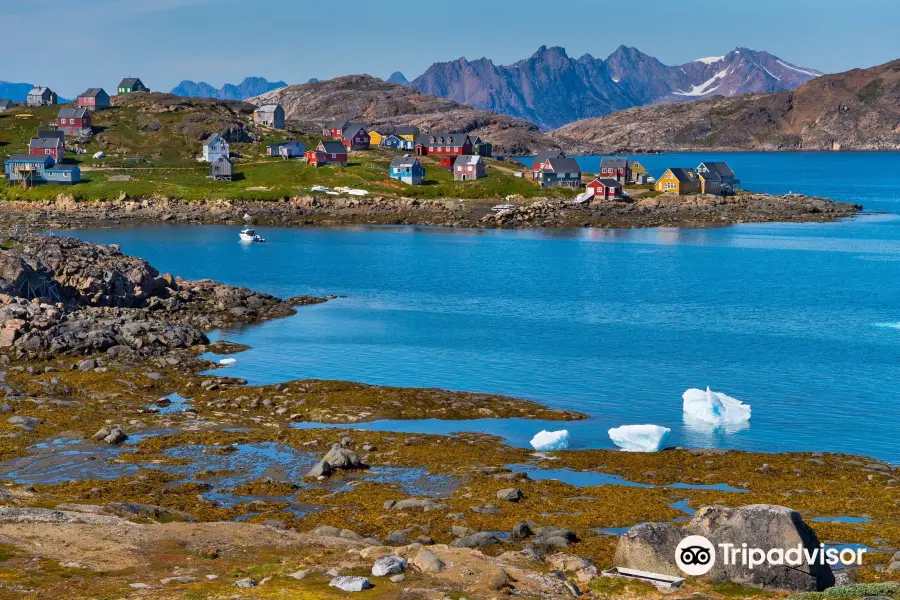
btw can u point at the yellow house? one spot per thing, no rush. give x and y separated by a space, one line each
678 181
376 137
638 171
407 133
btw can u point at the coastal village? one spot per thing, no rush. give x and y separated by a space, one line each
463 156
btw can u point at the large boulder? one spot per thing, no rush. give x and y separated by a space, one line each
651 546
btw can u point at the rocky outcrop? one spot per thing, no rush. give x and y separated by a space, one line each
65 296
386 105
652 546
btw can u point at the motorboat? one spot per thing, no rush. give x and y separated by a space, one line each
250 235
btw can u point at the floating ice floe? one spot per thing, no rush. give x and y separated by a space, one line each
639 438
715 407
551 440
227 361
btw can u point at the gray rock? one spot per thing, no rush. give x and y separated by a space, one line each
482 539
322 469
388 565
460 531
327 531
487 509
179 579
245 583
425 504
397 578
350 583
342 458
302 574
651 546
29 422
510 495
521 531
427 562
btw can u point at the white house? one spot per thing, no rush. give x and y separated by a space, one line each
214 147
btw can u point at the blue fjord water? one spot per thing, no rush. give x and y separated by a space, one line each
802 321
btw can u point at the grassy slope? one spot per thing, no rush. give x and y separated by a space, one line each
169 148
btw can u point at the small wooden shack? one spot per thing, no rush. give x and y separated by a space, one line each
221 169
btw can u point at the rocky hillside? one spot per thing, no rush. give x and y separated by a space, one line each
378 103
551 88
856 110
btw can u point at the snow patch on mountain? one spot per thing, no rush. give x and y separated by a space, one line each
793 68
710 60
703 88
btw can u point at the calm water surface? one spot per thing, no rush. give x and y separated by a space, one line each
802 321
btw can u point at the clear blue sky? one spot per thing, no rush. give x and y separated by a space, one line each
219 41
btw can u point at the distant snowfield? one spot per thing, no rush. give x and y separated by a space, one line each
799 70
703 88
709 60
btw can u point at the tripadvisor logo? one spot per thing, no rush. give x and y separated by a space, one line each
695 555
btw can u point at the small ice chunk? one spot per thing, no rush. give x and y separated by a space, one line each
715 407
639 438
551 440
227 361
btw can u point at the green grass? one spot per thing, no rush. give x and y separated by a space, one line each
169 143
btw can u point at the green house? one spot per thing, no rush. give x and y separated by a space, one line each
132 84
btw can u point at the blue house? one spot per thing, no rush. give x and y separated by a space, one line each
214 147
407 169
391 141
32 169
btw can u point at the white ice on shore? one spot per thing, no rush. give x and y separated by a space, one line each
227 361
715 407
551 440
639 438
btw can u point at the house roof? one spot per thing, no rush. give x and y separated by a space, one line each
405 161
43 133
449 139
129 82
719 168
407 130
39 91
39 158
467 159
266 108
223 159
64 167
44 143
333 147
606 182
543 155
336 124
278 145
91 93
684 175
613 162
213 138
353 128
563 165
76 112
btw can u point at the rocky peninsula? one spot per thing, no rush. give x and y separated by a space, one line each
132 467
643 211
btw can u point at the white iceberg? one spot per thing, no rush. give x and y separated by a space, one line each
639 438
715 407
227 361
551 440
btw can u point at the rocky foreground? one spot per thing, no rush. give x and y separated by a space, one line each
128 473
661 210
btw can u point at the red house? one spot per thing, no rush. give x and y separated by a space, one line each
334 130
355 137
443 144
541 158
94 99
49 143
605 189
616 168
328 152
74 121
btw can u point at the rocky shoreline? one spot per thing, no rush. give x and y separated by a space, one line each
128 472
662 210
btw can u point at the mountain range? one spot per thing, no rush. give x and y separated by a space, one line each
854 110
551 88
250 86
